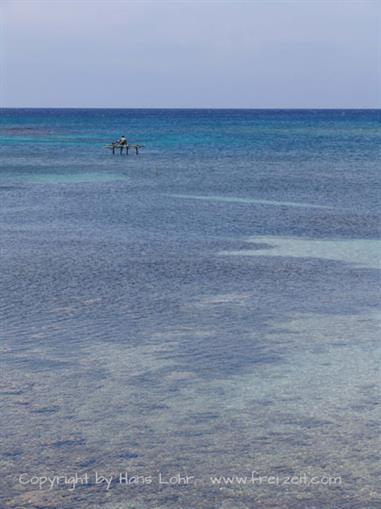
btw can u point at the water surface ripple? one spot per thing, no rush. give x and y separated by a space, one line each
209 307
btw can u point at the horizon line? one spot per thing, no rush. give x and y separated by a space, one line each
185 108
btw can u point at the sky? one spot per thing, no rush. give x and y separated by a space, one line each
190 53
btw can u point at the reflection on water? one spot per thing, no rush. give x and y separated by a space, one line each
141 334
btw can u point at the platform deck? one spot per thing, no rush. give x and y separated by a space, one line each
126 147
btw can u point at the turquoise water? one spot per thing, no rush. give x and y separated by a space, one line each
207 308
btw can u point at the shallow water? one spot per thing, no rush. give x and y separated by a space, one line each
361 252
209 307
232 199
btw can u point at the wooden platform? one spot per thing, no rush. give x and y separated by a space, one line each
126 147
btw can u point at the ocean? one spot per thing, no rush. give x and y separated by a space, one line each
196 326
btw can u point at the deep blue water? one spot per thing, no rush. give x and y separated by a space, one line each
210 306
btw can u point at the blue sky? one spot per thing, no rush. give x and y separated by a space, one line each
253 54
